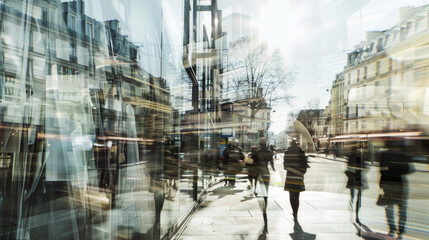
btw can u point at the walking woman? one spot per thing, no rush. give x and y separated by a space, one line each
356 179
295 163
394 166
262 157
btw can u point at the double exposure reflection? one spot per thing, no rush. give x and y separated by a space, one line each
211 118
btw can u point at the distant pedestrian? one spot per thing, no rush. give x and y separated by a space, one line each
251 167
232 158
296 164
263 156
356 179
394 165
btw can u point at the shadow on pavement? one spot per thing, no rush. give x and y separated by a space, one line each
299 234
223 191
366 233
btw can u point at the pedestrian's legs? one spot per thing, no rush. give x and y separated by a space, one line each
232 181
264 211
402 217
352 196
294 203
228 178
358 204
390 218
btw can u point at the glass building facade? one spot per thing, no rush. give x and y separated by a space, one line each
115 114
94 126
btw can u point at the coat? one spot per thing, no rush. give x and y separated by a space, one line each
296 164
355 172
394 165
231 159
261 159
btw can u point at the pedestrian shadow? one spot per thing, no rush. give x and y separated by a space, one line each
366 233
299 234
263 235
247 198
223 191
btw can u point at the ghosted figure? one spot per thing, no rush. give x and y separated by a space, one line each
232 156
210 162
171 169
356 179
295 163
394 164
157 184
252 168
262 157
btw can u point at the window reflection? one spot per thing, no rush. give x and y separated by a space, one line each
116 116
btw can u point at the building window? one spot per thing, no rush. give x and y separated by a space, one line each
358 75
72 49
44 14
377 69
390 64
89 30
71 22
30 69
365 71
132 91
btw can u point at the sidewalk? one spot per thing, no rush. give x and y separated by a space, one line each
419 167
235 214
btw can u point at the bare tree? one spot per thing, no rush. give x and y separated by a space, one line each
260 77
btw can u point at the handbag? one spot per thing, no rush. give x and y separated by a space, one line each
381 200
248 160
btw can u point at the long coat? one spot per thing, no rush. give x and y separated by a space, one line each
355 172
393 167
231 159
295 163
261 159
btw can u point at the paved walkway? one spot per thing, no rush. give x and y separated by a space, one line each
235 214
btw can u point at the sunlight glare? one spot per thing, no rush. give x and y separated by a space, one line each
279 24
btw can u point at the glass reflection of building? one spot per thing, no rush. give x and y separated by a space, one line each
90 144
383 89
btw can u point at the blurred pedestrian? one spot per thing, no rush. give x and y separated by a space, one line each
231 159
295 163
251 167
262 157
394 165
356 179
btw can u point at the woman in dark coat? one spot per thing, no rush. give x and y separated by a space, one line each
252 169
262 157
295 163
394 165
356 179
